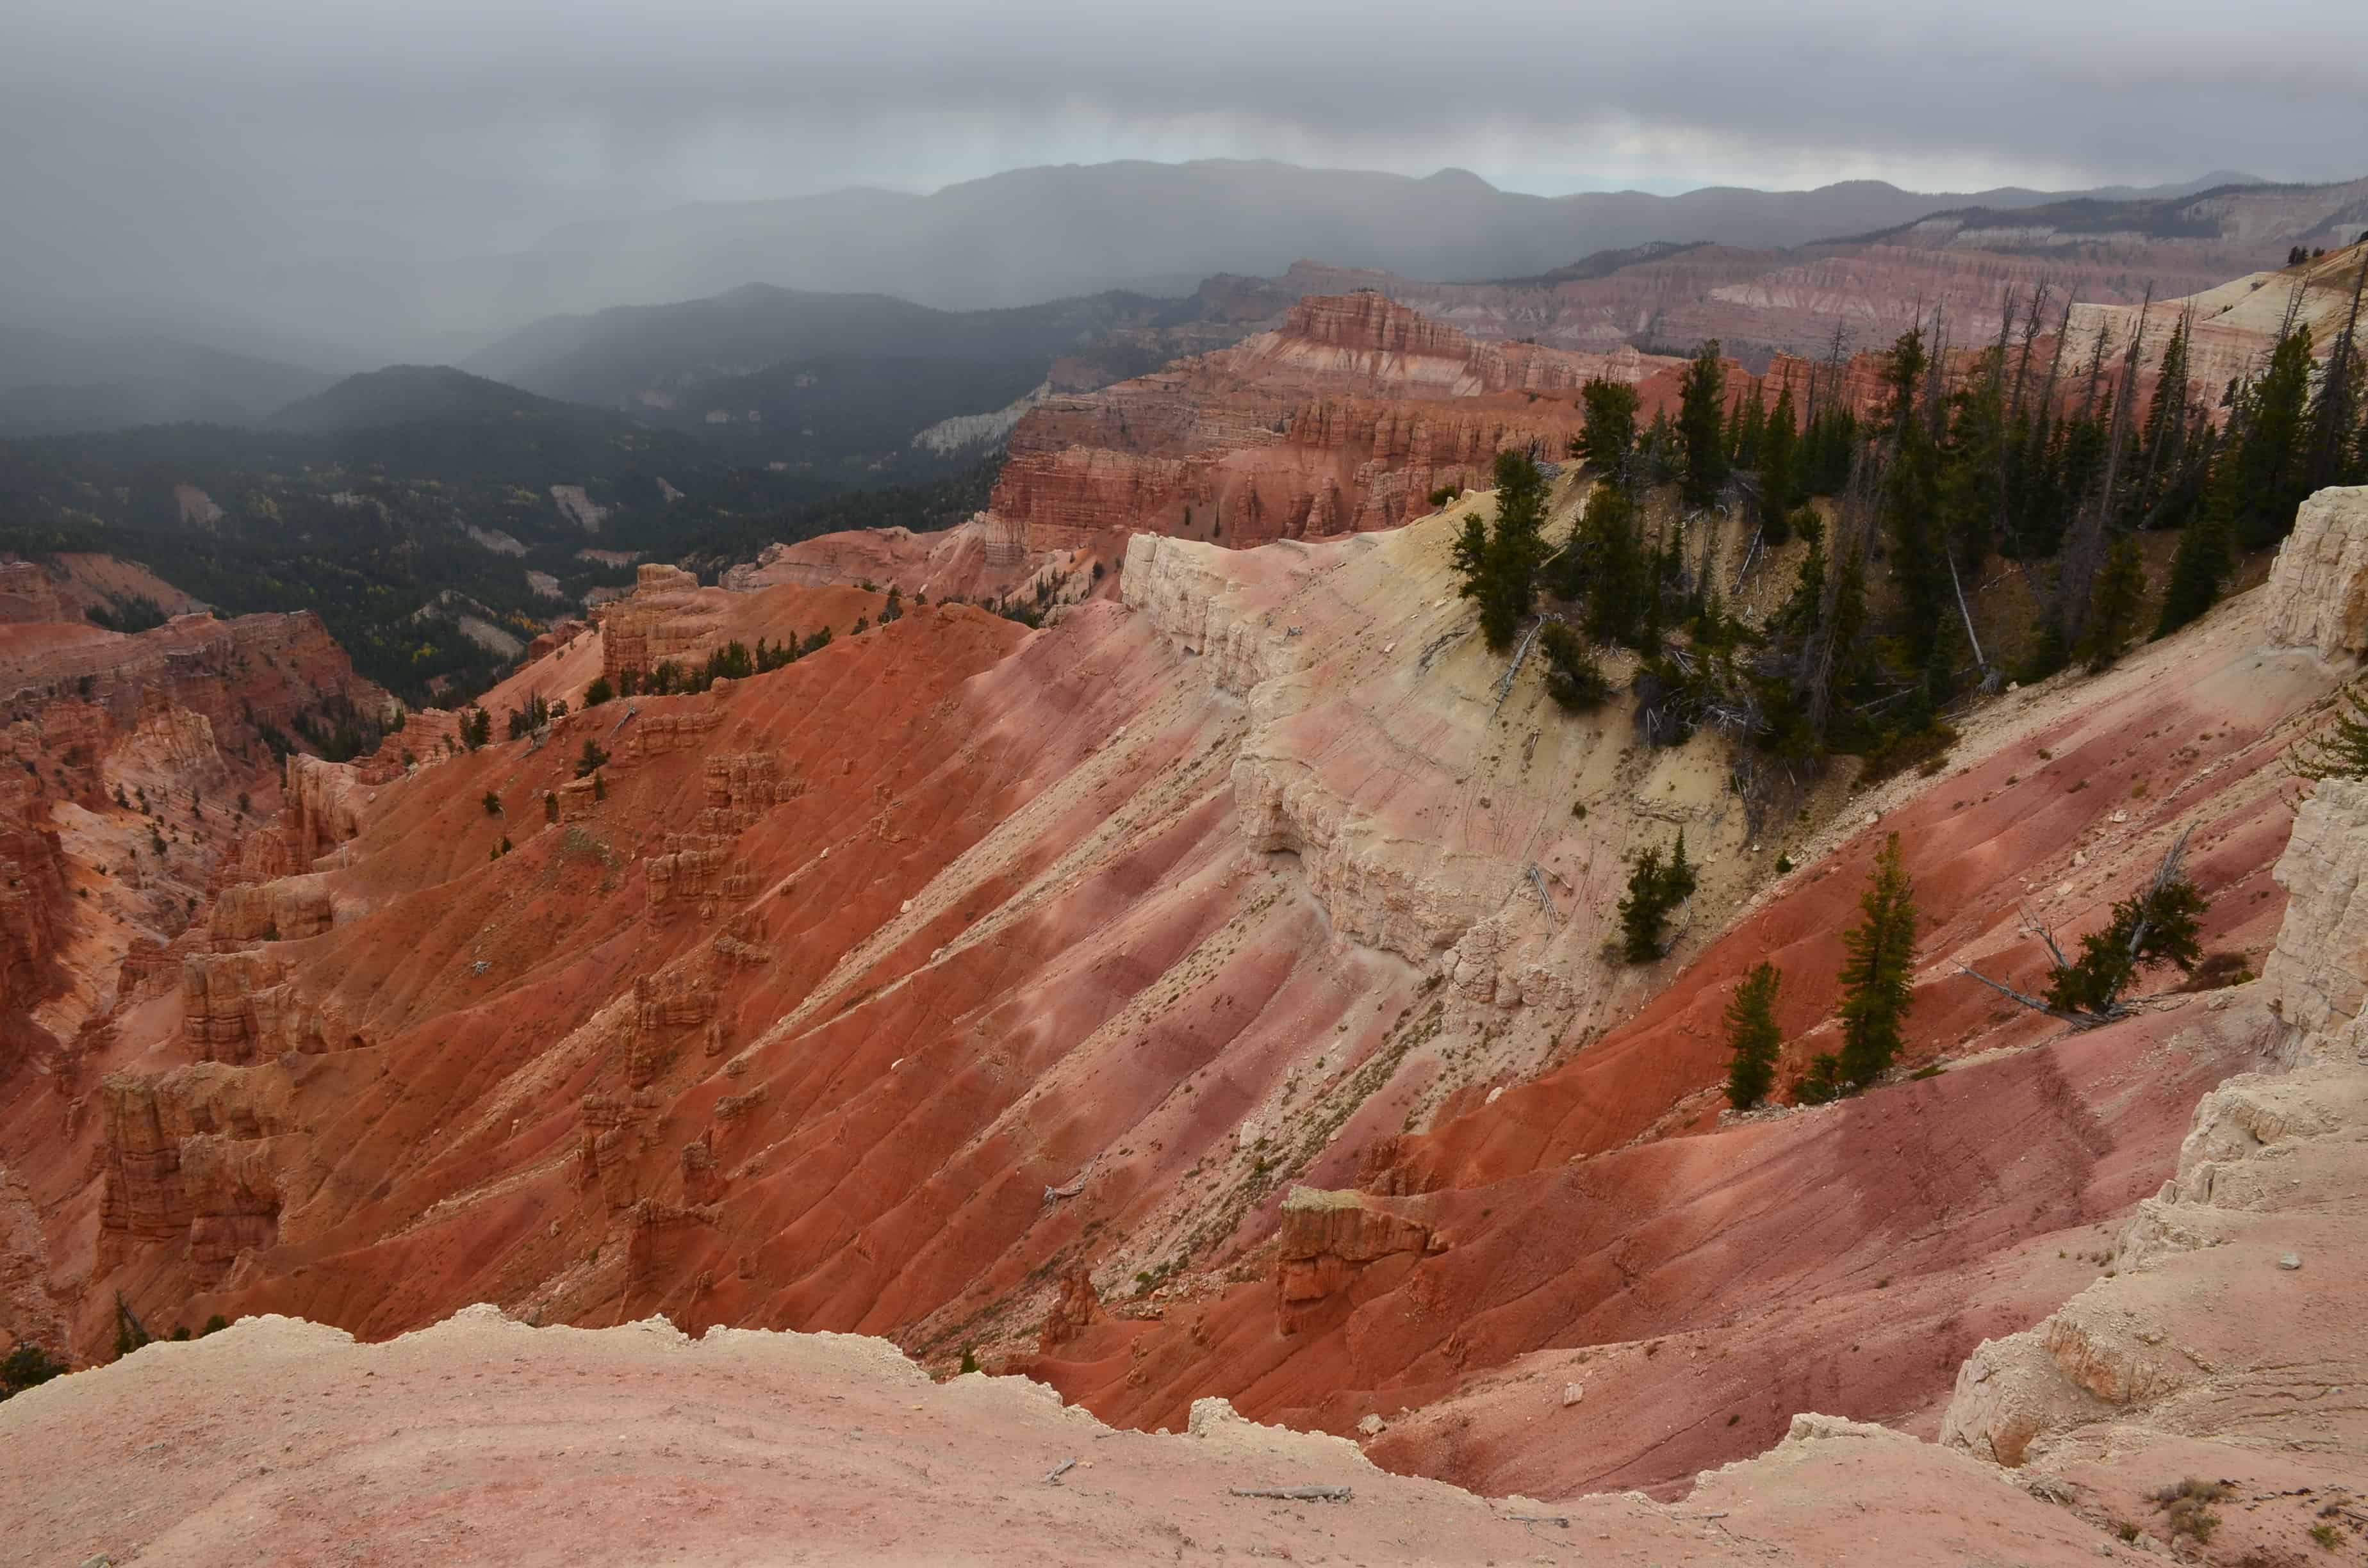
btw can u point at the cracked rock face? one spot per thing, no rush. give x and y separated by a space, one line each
2317 974
2317 589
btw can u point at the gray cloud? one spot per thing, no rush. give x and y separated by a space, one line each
226 152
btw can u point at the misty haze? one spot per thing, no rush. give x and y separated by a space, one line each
1085 784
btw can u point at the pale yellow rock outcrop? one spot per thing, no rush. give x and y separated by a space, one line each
2318 590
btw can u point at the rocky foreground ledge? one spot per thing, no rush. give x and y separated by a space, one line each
483 1440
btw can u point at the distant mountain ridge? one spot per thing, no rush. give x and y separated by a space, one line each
2298 212
408 394
1028 236
54 381
607 356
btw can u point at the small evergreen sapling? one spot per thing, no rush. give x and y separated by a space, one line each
1655 887
1610 437
2340 751
1878 976
1700 426
1573 677
1753 1041
2113 605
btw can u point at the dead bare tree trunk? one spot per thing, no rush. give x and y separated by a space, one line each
1826 379
1853 519
2333 418
2002 469
2055 373
2029 337
2173 428
1936 382
2085 556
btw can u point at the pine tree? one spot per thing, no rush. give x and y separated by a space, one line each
1748 427
1660 454
1798 617
1779 443
1973 470
1655 887
1878 976
1822 1083
1911 499
2114 600
2161 925
1753 1041
2340 751
1824 459
1609 559
2269 461
1848 623
1573 677
1469 553
1702 408
2090 578
1499 565
1662 569
2325 459
131 1333
2162 442
1642 915
1609 439
2198 569
2035 503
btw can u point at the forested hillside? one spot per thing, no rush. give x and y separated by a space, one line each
436 521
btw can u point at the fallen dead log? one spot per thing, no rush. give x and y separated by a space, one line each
1295 1494
1055 1194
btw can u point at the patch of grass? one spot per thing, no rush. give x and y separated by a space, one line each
28 1366
2219 970
2187 1508
2327 1537
1925 750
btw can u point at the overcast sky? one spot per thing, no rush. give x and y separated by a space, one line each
132 130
